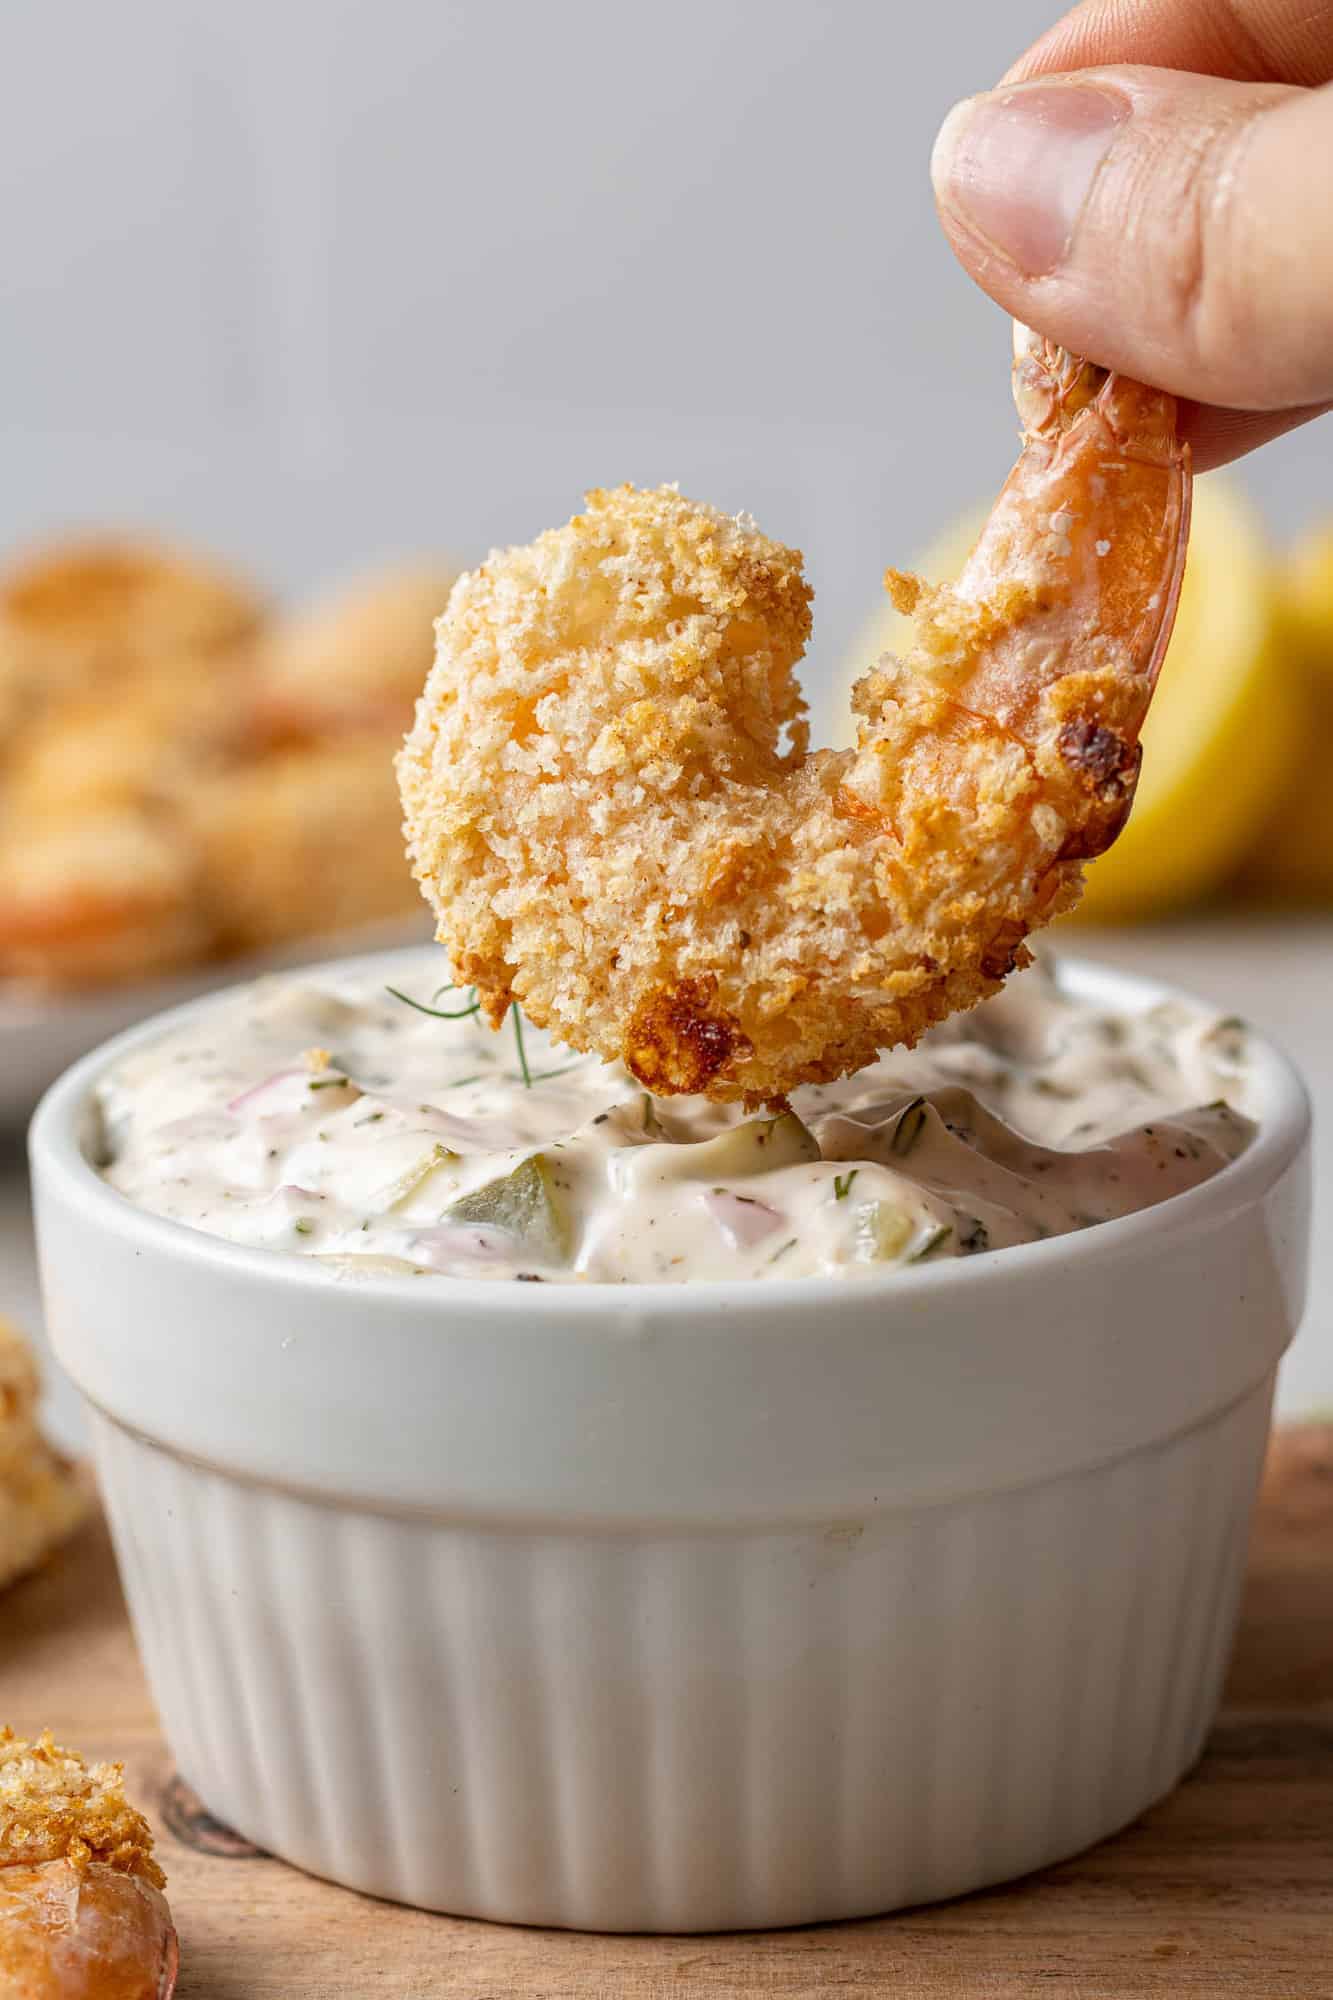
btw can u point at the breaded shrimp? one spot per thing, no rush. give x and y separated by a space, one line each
42 1499
610 803
42 1502
99 898
142 744
20 1391
301 842
82 1914
77 615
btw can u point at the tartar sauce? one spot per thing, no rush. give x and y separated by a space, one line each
322 1116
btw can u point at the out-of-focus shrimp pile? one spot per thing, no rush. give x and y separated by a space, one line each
187 775
611 805
41 1498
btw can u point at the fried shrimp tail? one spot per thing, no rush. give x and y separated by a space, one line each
612 808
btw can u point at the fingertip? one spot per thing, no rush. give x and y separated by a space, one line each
944 154
1218 437
1081 203
1015 167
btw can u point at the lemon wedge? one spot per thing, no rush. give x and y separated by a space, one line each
1224 728
1308 599
1291 861
1292 856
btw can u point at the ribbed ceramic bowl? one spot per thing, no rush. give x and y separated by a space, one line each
680 1608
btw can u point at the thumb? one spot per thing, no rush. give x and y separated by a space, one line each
1178 228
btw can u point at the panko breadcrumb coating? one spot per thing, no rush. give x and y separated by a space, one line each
82 1915
54 1806
610 805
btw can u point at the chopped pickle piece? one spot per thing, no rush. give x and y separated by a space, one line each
911 1124
882 1231
638 1120
757 1147
935 1241
1227 1042
415 1177
525 1203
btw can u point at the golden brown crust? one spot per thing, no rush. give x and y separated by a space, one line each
610 804
55 1806
82 1915
678 1041
84 1933
611 827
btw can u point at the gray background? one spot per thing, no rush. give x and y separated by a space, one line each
316 283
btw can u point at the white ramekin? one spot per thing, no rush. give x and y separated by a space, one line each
675 1608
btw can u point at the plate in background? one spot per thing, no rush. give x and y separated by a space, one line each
42 1033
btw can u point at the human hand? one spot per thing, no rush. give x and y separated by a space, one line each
1151 185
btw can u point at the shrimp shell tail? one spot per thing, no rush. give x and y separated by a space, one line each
1094 523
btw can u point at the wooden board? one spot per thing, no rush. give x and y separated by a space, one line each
1226 1889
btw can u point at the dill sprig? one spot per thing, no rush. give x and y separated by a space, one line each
517 1014
911 1124
528 1075
437 1013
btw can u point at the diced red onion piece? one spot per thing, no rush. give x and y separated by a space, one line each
742 1220
258 1089
456 1242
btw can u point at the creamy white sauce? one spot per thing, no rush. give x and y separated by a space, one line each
319 1115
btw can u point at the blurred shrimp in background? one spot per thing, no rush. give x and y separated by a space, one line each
189 773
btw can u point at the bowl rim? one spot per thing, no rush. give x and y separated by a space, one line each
59 1163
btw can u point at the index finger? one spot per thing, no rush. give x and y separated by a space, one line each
1251 41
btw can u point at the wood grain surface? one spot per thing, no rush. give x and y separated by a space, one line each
1226 1889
